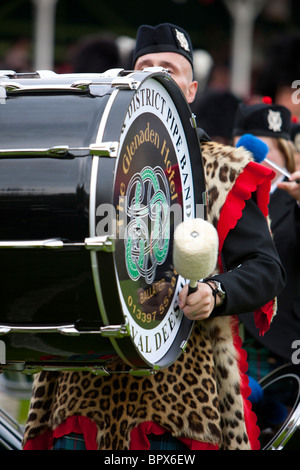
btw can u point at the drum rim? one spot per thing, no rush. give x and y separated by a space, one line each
186 325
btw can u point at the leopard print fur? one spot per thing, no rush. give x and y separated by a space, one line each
198 396
185 398
222 164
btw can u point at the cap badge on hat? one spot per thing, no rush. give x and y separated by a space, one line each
182 40
274 120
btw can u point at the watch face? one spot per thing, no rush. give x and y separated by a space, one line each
220 291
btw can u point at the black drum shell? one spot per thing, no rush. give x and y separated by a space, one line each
45 197
48 198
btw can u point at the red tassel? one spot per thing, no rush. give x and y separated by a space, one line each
267 100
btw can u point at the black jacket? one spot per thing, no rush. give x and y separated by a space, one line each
254 273
252 270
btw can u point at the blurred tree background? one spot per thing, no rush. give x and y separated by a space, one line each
209 22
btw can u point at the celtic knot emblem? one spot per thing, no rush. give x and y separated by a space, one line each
147 234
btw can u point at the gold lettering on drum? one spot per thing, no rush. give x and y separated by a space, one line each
146 135
151 291
169 170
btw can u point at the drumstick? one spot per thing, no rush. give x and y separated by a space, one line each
195 250
259 150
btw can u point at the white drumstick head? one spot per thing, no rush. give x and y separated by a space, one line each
195 249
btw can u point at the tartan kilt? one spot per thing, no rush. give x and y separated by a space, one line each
74 441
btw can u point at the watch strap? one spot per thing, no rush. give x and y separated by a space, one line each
217 290
214 290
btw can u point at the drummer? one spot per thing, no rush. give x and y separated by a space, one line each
199 402
275 348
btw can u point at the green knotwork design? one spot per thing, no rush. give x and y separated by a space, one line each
148 231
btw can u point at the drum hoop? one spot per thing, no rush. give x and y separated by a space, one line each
92 208
92 221
142 77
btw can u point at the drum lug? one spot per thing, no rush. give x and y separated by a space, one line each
193 121
105 149
77 86
99 371
63 329
143 372
83 85
125 83
32 370
105 243
183 345
4 330
110 331
115 331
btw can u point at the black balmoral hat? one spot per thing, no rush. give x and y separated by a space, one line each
215 111
263 119
165 37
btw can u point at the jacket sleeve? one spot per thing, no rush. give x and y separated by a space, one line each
252 272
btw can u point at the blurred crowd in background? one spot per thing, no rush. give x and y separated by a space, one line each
276 78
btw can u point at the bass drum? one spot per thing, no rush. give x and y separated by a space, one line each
278 413
96 171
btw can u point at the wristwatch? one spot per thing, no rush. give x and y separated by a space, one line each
217 290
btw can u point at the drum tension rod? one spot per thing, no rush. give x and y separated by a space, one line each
95 369
102 149
36 369
104 243
109 331
17 87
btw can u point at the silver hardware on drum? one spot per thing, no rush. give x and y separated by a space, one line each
104 243
125 83
193 121
15 87
103 149
183 345
95 370
56 152
156 69
35 369
112 331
